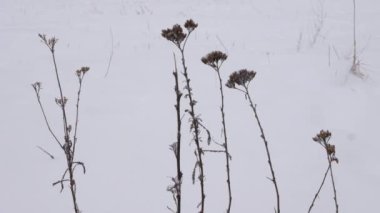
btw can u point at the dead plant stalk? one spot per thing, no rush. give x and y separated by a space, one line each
215 60
179 39
69 145
243 78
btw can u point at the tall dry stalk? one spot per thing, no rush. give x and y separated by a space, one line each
355 67
215 60
70 140
243 78
175 189
179 39
323 138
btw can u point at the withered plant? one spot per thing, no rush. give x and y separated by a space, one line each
240 81
215 60
323 138
355 67
70 138
179 38
175 189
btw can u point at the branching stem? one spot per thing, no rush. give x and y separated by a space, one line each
196 127
68 146
319 189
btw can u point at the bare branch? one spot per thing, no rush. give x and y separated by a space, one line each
44 114
46 152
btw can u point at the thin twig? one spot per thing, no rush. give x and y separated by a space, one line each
68 147
46 152
215 60
212 150
80 77
46 120
196 129
354 33
228 156
111 54
195 125
266 149
333 185
178 192
319 189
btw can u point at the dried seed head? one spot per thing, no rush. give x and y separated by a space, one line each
60 101
82 71
69 127
175 34
79 73
333 158
85 69
242 78
214 59
190 25
37 87
50 42
330 149
322 136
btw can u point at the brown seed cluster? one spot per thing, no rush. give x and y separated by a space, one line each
176 34
50 42
214 59
322 136
190 25
80 73
37 86
61 101
330 149
242 78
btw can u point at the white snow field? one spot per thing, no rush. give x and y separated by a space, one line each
127 119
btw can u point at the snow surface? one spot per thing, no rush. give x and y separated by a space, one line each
127 119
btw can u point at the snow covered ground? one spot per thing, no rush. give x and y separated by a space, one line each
127 119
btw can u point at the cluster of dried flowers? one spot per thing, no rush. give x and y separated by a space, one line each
69 143
176 34
323 138
242 78
82 71
49 42
214 59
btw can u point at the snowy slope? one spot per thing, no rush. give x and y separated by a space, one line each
127 119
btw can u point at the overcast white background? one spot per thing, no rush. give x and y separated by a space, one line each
127 119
